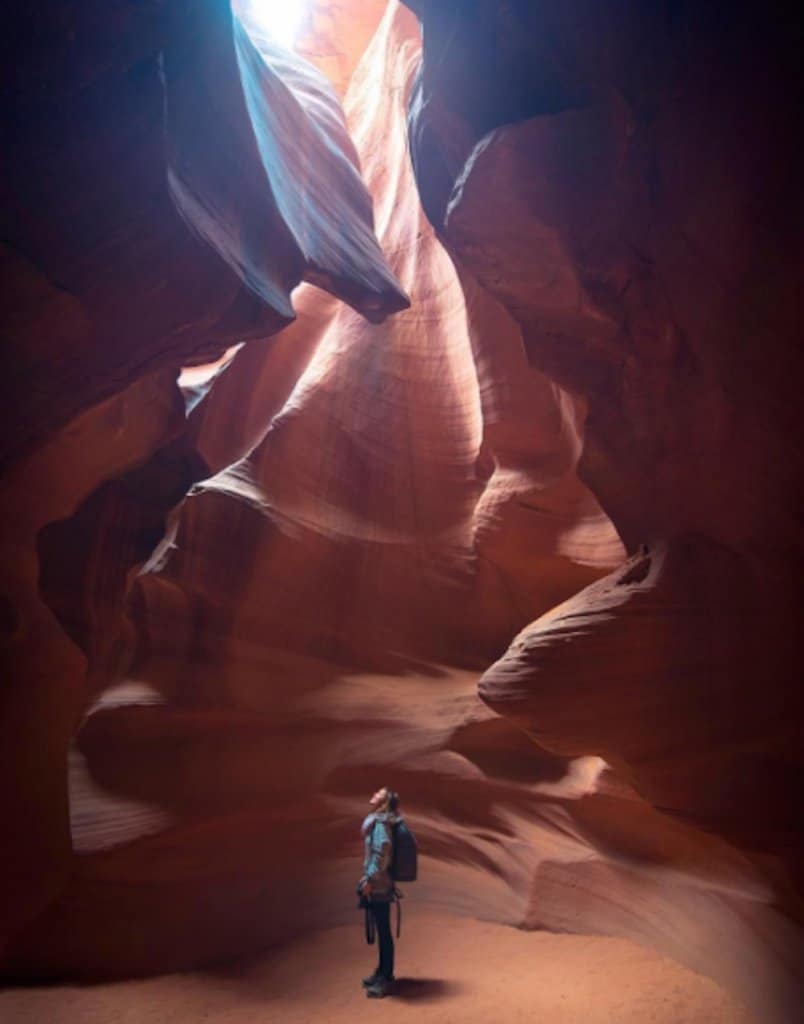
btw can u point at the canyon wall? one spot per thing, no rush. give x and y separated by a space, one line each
580 434
623 220
144 227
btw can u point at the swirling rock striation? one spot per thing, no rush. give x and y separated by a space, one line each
371 489
121 156
632 211
374 500
150 218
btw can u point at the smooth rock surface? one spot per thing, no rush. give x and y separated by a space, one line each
121 158
602 344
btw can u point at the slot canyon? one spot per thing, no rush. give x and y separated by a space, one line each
414 404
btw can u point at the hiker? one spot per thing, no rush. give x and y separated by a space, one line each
376 887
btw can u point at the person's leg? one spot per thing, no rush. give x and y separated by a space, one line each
376 973
371 978
382 915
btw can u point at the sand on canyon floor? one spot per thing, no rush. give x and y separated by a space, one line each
451 971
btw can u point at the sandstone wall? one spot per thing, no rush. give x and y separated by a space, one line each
588 208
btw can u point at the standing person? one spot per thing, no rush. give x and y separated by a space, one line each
377 883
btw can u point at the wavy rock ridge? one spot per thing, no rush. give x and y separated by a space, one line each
376 501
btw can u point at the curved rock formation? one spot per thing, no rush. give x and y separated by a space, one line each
121 158
372 459
623 294
383 480
620 219
378 507
103 266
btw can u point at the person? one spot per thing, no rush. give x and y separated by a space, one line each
377 884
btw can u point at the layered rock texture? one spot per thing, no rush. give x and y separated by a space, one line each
538 380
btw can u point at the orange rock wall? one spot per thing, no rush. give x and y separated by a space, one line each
377 508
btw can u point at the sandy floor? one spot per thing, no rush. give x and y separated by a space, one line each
450 970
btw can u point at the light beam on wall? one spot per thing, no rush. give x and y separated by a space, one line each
280 18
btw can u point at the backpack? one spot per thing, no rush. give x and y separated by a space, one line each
404 863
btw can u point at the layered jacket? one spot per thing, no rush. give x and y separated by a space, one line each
377 831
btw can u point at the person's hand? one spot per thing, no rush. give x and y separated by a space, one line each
366 888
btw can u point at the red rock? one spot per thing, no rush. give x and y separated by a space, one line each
99 260
607 350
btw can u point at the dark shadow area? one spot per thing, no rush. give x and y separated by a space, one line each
502 751
424 989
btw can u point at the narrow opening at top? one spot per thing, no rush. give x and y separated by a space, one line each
281 19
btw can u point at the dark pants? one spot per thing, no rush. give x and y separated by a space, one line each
382 919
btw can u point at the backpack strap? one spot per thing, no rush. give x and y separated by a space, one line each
397 898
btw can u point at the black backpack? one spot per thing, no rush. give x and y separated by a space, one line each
404 863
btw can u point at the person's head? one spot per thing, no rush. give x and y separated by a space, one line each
385 799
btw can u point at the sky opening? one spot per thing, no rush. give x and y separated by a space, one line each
280 18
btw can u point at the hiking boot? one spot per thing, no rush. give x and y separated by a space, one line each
379 989
372 979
